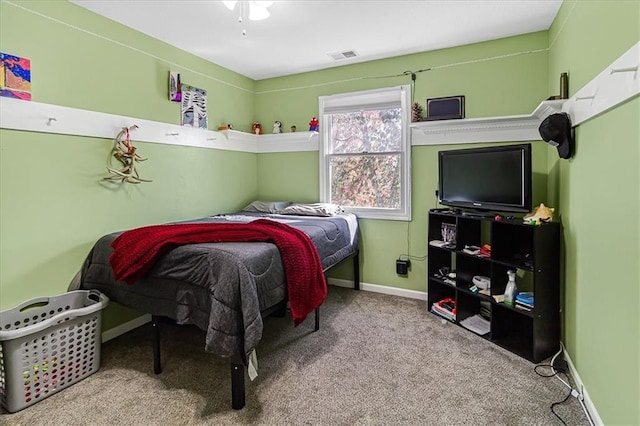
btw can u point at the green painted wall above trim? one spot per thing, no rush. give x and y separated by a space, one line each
500 77
583 52
83 60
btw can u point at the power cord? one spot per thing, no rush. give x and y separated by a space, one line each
555 404
407 255
555 372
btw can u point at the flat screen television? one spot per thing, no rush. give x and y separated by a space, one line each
486 179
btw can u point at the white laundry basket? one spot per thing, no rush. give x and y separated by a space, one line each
48 344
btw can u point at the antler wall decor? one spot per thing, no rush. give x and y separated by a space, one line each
124 151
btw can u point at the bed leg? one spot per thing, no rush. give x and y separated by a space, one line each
281 311
157 368
356 271
317 326
237 386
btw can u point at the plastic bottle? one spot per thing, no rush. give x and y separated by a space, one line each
512 290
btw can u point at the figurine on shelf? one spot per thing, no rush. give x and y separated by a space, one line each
256 128
314 124
293 129
541 214
277 127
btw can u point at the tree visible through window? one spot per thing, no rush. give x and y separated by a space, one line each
365 164
364 157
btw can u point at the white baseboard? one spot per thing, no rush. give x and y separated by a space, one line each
591 408
375 288
119 330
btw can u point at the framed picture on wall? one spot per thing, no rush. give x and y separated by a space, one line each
194 107
447 108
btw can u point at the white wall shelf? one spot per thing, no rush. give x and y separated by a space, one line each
615 84
486 129
16 114
280 142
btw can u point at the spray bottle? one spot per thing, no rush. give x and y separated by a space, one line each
512 290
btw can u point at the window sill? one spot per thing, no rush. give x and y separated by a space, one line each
378 215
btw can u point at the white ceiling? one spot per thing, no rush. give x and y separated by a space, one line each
300 35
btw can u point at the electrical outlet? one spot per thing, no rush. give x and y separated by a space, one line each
402 266
561 365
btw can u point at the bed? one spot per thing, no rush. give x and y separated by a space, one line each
226 288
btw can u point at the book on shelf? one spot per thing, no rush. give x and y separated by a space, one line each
528 305
448 317
525 298
524 307
445 309
471 249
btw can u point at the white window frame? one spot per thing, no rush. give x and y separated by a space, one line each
357 101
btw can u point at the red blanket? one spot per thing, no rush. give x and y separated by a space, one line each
136 251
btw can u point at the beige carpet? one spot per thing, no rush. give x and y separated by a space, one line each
377 360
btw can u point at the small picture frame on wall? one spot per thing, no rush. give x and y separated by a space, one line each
446 108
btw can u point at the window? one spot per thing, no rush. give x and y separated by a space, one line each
365 152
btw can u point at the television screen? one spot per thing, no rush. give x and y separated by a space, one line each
486 179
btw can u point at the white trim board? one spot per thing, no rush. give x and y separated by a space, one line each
281 142
375 288
16 114
615 84
591 408
486 129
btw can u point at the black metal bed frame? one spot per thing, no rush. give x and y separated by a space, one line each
237 366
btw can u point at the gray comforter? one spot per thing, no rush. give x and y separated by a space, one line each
222 288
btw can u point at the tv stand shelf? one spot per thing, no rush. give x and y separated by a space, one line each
533 251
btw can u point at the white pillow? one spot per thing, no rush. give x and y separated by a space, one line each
266 206
313 209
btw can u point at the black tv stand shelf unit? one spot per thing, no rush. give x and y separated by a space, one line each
533 251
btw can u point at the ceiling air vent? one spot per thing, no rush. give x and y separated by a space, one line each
337 56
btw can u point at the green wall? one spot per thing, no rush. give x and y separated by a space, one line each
502 77
600 260
599 203
53 203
